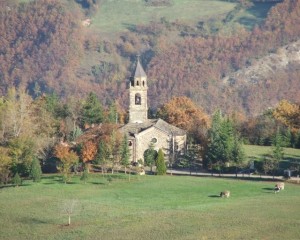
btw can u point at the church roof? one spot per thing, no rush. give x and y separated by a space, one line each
135 128
139 71
163 125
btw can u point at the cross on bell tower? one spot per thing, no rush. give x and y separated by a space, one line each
138 107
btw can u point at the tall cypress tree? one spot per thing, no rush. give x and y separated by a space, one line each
277 143
36 171
277 153
161 168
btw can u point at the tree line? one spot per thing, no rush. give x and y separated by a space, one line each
72 134
64 136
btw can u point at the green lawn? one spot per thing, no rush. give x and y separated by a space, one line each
257 153
150 207
118 15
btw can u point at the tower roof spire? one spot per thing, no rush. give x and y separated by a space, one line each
139 71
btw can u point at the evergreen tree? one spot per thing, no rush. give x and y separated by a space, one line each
113 114
191 159
102 155
150 155
216 153
278 152
17 181
124 153
224 145
36 171
277 147
161 168
92 110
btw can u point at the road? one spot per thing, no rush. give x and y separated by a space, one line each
240 176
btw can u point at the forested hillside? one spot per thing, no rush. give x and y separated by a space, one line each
45 47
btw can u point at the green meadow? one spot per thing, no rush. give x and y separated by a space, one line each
254 152
149 207
118 15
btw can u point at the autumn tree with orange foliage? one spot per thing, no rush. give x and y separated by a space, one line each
184 113
288 114
107 134
68 159
89 151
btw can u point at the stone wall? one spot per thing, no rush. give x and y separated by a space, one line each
163 141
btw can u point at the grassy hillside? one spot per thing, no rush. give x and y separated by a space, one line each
118 15
257 153
150 207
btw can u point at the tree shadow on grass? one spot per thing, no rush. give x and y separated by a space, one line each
11 185
214 196
33 220
6 186
268 190
48 183
98 183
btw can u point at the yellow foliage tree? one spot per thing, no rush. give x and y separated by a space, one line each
5 164
288 114
68 159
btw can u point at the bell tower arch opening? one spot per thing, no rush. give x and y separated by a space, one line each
138 99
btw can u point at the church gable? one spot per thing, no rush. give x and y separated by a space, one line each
159 138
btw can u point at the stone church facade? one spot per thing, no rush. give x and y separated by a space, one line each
141 131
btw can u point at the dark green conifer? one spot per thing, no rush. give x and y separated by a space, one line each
161 168
36 171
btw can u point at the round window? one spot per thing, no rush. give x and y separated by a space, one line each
154 140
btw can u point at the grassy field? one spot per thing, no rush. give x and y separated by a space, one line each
118 15
257 153
150 207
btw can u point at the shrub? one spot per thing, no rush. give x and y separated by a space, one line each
36 171
17 181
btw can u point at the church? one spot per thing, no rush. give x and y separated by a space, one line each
142 131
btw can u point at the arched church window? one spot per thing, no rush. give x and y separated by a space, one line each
137 83
129 143
143 83
138 99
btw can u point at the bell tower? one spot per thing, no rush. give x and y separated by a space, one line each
138 107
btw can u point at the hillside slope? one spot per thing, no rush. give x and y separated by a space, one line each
267 67
268 80
219 61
